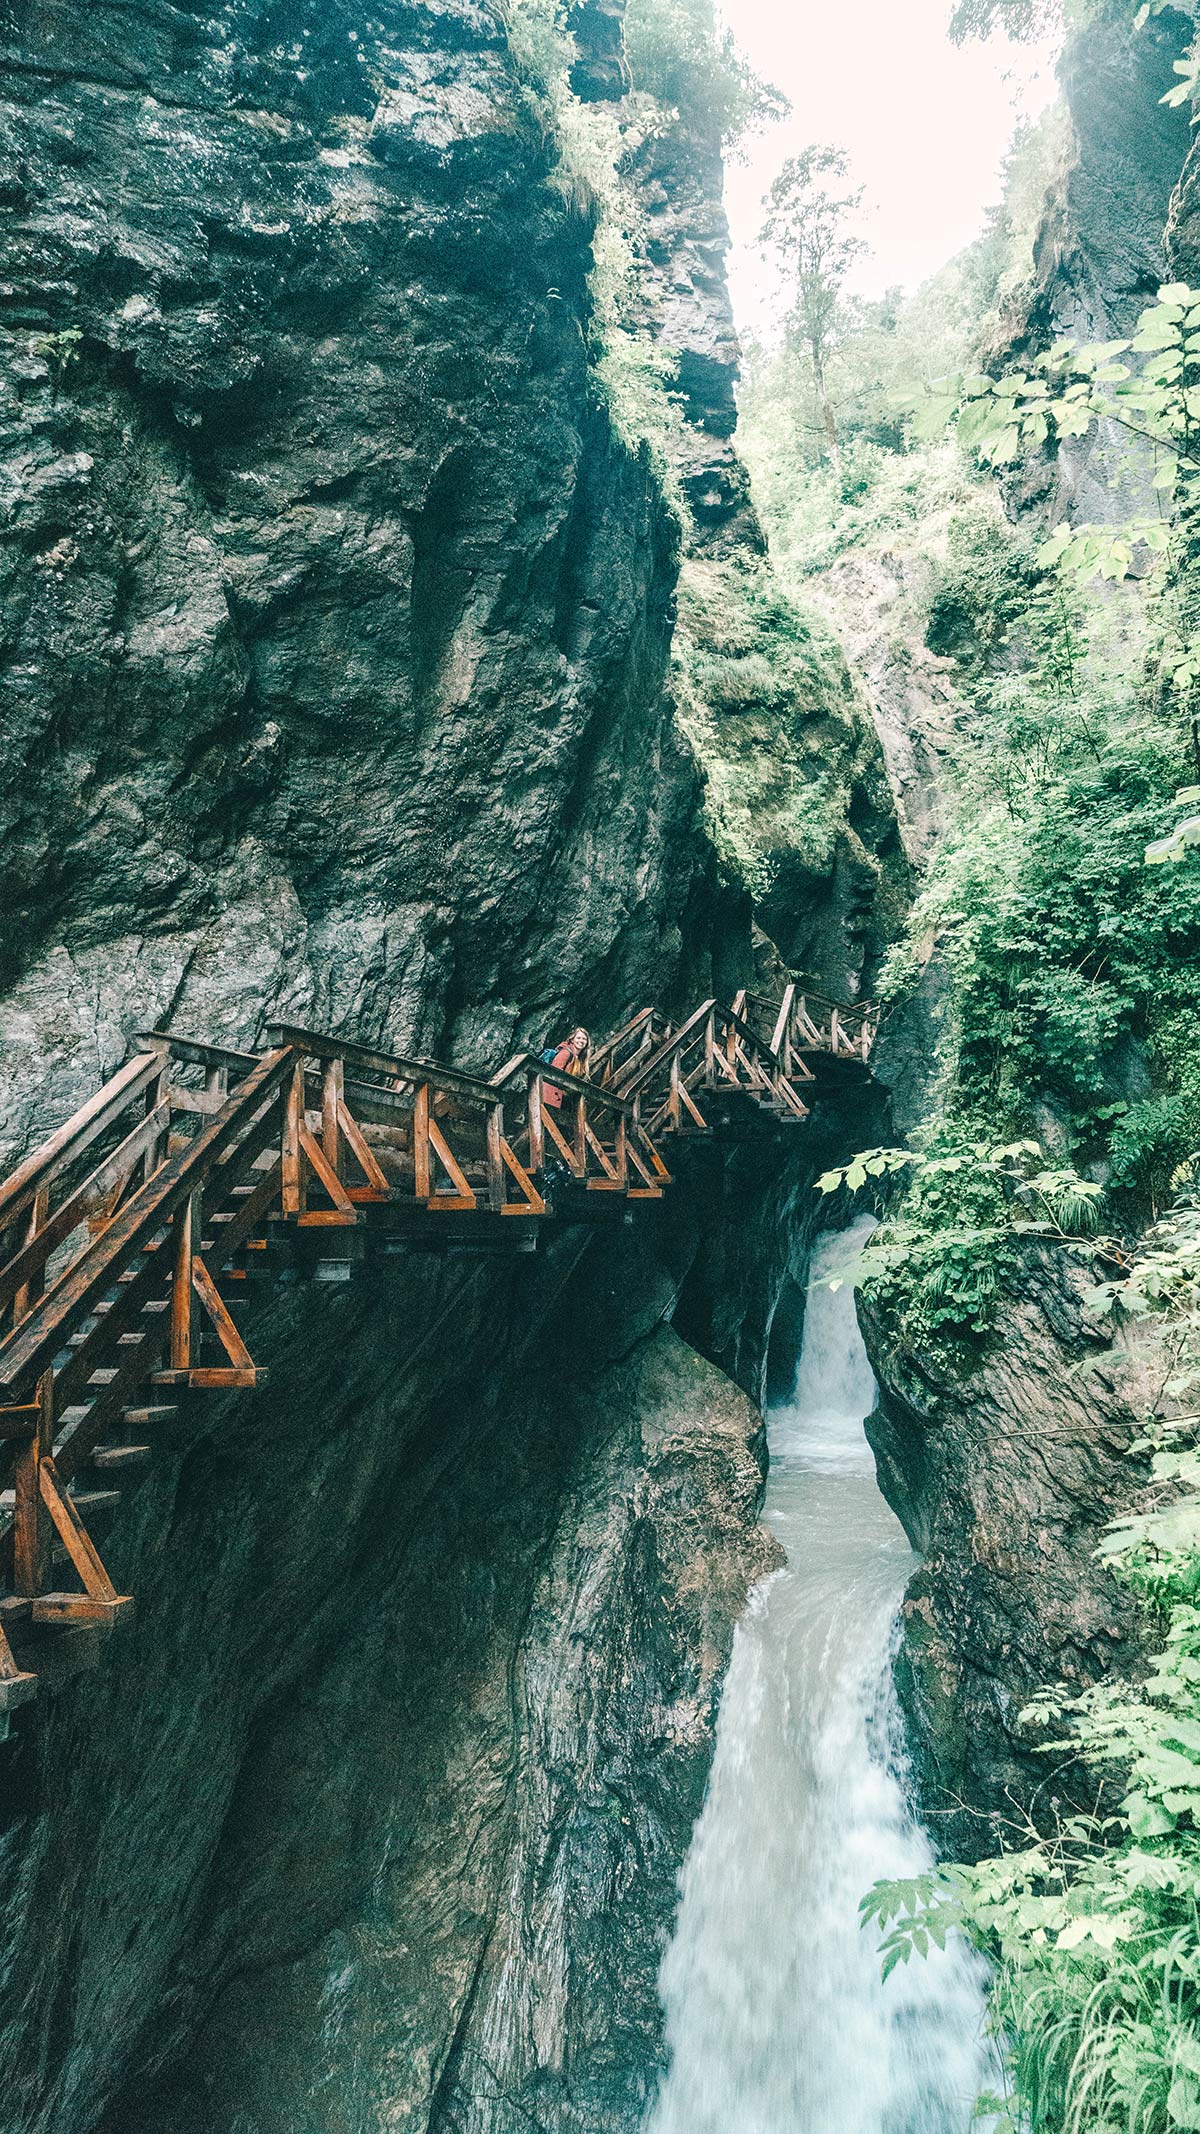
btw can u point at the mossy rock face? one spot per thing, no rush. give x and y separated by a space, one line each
798 798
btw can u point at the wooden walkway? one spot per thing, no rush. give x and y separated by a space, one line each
125 1238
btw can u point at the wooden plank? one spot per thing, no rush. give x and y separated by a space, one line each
362 1152
293 1117
563 1146
205 1101
646 1072
531 1201
450 1164
79 1434
333 1097
64 1608
325 1174
422 1185
214 1304
611 1175
393 1065
494 1132
145 1301
31 1531
28 1281
75 1537
783 1021
537 1132
183 1247
41 1335
645 1174
247 1215
70 1140
210 1378
194 1053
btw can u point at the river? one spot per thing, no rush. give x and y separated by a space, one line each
777 2019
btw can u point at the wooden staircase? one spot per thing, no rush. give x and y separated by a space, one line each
126 1237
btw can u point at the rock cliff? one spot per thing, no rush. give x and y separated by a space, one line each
1005 1480
336 622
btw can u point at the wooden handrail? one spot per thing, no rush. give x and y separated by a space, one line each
677 1039
36 1341
193 1053
70 1140
573 1085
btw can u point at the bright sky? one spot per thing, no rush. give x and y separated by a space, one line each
925 123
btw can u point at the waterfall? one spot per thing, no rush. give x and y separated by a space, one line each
777 2020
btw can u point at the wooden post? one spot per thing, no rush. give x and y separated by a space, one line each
182 1301
866 1035
421 1183
621 1150
537 1139
495 1161
835 1031
710 1048
31 1522
158 1149
673 1107
293 1115
29 1292
333 1097
580 1136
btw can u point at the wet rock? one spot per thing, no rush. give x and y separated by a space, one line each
1005 1480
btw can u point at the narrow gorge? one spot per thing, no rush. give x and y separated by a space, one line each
509 1538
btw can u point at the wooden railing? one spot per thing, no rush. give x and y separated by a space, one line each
806 1022
117 1234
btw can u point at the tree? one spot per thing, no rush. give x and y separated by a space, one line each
806 223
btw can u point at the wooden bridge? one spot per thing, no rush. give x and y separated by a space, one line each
125 1237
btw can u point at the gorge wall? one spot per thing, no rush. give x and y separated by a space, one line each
1006 1469
335 619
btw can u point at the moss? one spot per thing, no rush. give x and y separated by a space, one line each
796 784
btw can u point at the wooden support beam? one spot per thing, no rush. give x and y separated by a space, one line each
27 1273
531 1202
184 1242
31 1527
214 1304
494 1141
333 1098
565 1149
422 1186
293 1119
464 1193
537 1138
364 1156
75 1538
325 1175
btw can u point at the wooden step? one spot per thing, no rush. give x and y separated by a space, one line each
115 1459
143 1418
16 1690
206 1379
81 1608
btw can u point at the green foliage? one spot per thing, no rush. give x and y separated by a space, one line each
807 225
766 698
1155 398
935 1268
679 55
1094 1929
634 374
883 354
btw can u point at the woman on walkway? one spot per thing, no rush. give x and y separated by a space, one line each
570 1058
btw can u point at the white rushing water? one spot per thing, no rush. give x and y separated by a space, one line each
777 2019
